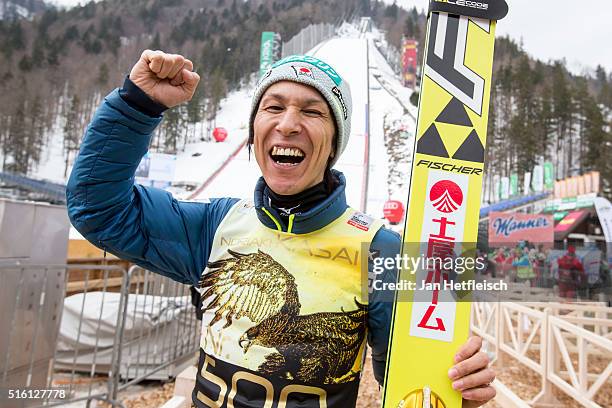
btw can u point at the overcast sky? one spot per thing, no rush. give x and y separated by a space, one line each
578 30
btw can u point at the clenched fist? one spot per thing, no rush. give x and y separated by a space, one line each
166 78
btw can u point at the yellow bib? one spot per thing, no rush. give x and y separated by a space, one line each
284 307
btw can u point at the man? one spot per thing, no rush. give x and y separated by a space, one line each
523 265
284 321
571 274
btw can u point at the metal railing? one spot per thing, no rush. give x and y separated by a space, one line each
54 191
308 38
117 328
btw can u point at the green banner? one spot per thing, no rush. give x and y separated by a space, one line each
549 177
268 52
570 203
513 185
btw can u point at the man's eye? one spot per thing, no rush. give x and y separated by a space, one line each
274 108
311 112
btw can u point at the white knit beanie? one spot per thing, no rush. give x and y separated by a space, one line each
311 71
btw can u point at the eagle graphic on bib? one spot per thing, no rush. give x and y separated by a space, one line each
284 315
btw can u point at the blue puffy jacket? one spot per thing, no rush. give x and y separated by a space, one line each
148 227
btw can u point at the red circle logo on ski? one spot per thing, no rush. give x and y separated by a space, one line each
304 70
446 196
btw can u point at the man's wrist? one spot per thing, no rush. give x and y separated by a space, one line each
139 100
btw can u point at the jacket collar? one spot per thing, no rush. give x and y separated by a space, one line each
314 219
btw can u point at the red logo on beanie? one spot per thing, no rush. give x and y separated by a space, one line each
301 70
446 196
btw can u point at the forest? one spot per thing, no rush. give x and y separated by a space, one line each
56 66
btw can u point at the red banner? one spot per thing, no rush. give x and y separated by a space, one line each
506 229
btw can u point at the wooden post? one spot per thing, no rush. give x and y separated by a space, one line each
549 358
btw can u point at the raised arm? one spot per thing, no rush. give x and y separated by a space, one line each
144 225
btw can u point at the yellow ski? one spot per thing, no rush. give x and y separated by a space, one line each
430 325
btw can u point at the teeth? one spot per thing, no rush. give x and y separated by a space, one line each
287 164
287 151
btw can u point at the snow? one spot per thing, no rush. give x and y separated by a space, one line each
348 57
69 3
389 101
234 118
53 161
13 10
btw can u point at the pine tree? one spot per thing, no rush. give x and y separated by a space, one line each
562 113
36 132
522 130
217 90
172 126
102 79
17 140
72 129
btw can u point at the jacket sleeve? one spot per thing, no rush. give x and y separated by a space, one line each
143 225
385 245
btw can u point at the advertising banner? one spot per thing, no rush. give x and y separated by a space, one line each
549 177
569 224
538 179
270 51
572 187
563 189
156 169
505 188
588 183
527 184
595 181
604 213
506 229
581 185
496 188
409 62
513 185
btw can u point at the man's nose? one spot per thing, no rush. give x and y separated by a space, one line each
289 123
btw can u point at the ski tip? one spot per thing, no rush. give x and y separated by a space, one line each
487 9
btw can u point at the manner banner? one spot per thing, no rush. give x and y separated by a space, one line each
506 229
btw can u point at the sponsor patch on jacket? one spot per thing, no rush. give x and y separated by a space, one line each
245 207
361 221
301 70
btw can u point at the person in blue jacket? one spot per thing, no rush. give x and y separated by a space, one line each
285 317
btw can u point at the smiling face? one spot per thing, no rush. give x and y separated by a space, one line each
293 137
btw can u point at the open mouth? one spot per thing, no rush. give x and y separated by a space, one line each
287 156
